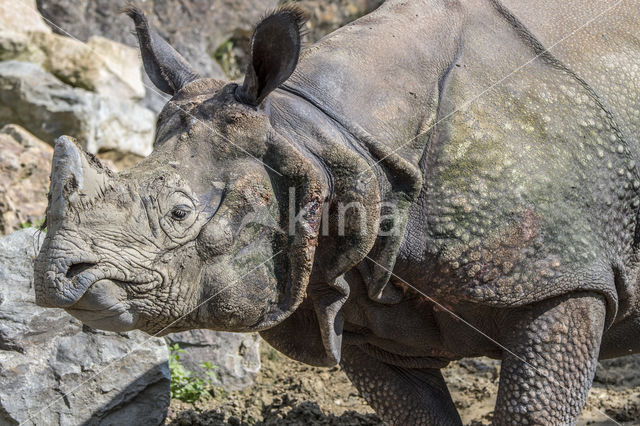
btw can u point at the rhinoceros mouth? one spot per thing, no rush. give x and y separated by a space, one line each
104 305
66 283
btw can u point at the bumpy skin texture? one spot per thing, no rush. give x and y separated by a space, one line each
531 191
553 352
400 395
501 135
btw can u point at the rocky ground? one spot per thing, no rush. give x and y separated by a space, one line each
287 392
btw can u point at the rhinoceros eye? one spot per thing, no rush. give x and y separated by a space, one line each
180 212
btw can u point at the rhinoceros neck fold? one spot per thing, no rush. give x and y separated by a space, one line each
358 180
362 77
377 107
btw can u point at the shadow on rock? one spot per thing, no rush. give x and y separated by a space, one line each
146 400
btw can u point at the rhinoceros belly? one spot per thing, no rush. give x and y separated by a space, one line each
416 332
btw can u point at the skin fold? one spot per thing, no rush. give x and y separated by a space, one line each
437 180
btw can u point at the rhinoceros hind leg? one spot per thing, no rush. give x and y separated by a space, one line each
551 360
400 396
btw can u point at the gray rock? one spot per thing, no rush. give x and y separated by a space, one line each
48 108
108 378
237 356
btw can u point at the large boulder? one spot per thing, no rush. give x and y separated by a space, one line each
236 356
24 178
21 15
18 46
102 66
55 371
47 107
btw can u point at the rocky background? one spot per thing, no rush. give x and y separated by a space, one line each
72 67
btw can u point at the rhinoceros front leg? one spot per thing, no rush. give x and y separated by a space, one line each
400 396
551 359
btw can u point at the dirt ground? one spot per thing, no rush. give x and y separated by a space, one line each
287 392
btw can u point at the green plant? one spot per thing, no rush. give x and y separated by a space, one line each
185 386
226 58
273 355
35 224
209 370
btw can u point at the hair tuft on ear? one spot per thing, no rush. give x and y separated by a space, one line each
275 49
135 14
299 15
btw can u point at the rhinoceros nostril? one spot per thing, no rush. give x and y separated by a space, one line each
77 268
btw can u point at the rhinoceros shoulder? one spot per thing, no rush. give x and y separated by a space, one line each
530 185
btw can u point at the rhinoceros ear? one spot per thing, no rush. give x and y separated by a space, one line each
166 68
275 49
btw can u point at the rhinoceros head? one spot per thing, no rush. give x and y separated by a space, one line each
215 229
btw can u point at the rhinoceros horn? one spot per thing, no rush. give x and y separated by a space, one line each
76 179
166 68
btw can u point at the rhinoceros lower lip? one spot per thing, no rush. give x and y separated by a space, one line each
116 318
99 295
104 305
74 288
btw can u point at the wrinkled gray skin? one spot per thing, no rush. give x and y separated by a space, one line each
518 211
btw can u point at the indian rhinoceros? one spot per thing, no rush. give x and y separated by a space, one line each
439 179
